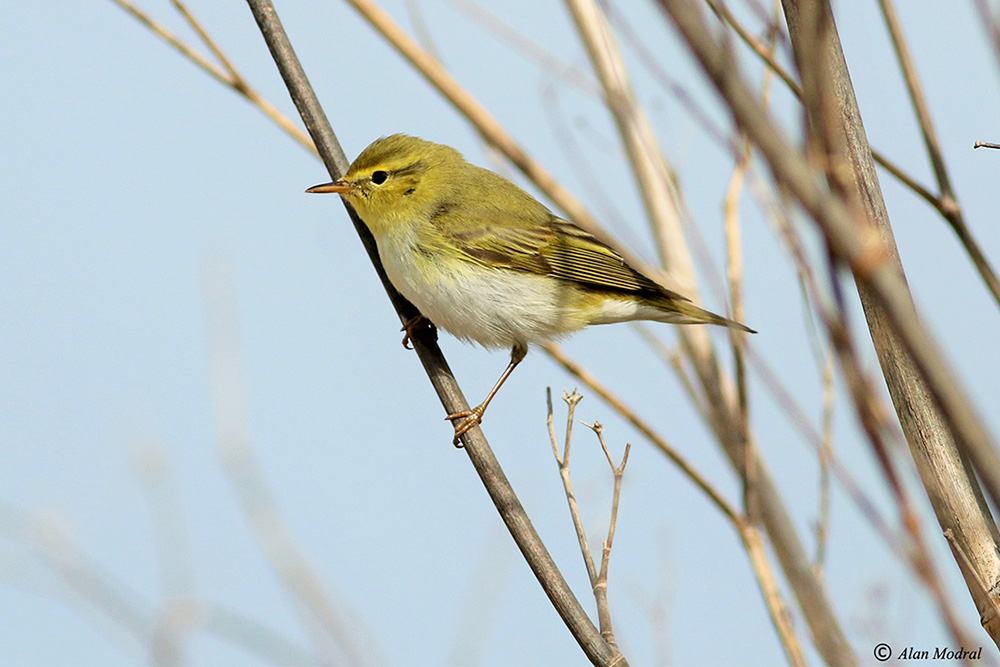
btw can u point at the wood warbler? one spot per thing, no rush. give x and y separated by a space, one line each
489 263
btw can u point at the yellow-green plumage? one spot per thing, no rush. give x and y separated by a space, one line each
485 260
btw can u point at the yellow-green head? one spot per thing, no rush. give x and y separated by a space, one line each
397 179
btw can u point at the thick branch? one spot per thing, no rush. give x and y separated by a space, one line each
865 253
946 474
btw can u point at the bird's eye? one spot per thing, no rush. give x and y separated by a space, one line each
378 177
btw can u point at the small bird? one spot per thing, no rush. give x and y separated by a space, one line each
489 263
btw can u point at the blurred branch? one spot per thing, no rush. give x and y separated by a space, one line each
637 137
989 18
318 613
227 74
766 581
865 252
825 457
944 203
674 359
528 49
664 206
476 446
158 633
837 132
738 340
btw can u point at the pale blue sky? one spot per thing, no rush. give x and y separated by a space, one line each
128 178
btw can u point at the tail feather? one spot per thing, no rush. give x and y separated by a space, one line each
685 312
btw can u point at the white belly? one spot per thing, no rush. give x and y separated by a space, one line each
493 308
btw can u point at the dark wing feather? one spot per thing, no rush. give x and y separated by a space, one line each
574 254
523 235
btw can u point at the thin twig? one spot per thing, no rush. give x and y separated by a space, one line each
598 580
989 19
778 610
643 427
601 587
825 457
950 208
579 160
228 75
571 400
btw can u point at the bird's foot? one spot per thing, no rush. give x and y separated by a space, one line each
412 325
466 420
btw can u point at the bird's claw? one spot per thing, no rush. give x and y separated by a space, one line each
468 419
412 324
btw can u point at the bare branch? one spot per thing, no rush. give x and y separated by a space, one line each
601 586
228 76
768 584
950 208
476 446
865 253
571 399
639 423
664 205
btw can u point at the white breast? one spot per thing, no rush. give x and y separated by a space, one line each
495 308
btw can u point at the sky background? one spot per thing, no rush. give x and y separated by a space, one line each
140 201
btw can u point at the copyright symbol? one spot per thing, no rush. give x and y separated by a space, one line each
883 652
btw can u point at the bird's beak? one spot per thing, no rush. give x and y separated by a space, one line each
340 187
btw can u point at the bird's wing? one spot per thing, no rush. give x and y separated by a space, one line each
544 244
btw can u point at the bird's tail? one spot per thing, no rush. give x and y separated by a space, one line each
685 312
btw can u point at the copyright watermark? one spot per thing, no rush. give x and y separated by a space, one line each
883 652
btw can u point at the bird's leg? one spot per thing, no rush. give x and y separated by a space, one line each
412 324
470 418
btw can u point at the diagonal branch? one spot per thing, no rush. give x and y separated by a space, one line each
877 272
476 446
950 208
944 203
227 74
